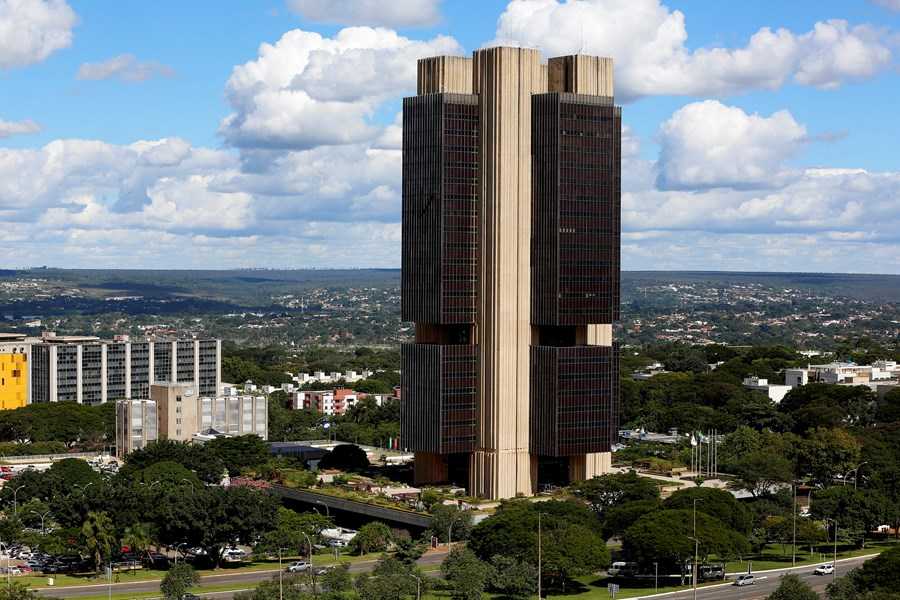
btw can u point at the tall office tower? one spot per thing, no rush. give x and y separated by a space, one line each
511 220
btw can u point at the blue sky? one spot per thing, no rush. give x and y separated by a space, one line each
129 130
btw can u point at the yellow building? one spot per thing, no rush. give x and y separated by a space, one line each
13 380
14 353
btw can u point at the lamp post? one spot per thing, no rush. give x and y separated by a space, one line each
327 511
794 516
15 501
856 473
834 560
540 595
42 516
695 568
280 576
655 577
177 546
312 573
83 488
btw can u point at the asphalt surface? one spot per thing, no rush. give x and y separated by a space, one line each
767 582
244 580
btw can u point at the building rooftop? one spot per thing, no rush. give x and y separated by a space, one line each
12 337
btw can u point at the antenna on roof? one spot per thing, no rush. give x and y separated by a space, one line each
581 48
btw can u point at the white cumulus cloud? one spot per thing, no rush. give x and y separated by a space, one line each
307 90
11 128
124 67
708 144
648 42
393 13
31 30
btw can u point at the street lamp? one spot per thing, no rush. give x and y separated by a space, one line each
655 577
540 595
42 516
856 473
834 560
695 568
15 502
312 573
327 511
84 487
177 546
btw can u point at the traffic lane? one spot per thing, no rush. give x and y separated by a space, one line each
766 583
245 579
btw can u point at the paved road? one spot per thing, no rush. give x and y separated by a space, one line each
766 584
243 579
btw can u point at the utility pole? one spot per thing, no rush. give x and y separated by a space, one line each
695 567
540 595
794 515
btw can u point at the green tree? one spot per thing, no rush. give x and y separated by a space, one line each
291 531
760 471
137 537
793 588
872 581
346 457
240 452
617 519
178 581
391 580
665 537
98 537
19 591
888 408
208 467
467 575
826 453
858 511
372 537
716 503
337 580
513 578
450 521
616 488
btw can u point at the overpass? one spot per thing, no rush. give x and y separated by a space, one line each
360 511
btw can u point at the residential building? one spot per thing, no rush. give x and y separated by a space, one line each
14 364
136 425
511 235
326 402
89 370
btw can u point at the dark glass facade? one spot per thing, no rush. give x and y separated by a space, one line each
437 413
576 202
440 208
574 393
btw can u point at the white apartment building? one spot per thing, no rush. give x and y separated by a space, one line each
136 425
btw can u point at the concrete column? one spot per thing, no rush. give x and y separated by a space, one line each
104 372
79 380
197 363
505 79
219 368
54 375
150 364
128 370
174 372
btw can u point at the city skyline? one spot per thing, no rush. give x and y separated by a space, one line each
277 142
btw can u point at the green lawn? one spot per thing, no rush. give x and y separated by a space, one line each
776 557
152 574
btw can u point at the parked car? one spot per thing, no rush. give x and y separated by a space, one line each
298 567
824 569
745 579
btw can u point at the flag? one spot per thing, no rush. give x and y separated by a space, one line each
693 440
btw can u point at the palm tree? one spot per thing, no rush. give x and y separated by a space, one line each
137 537
99 537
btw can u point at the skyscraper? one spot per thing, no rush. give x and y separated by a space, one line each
511 220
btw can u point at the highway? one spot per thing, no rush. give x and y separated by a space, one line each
242 580
766 584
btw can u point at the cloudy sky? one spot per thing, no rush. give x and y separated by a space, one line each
760 135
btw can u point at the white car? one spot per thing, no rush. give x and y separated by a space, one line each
745 579
298 567
824 569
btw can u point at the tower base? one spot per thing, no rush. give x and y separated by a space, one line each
588 466
498 474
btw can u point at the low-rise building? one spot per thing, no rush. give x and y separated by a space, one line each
776 393
326 402
136 425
